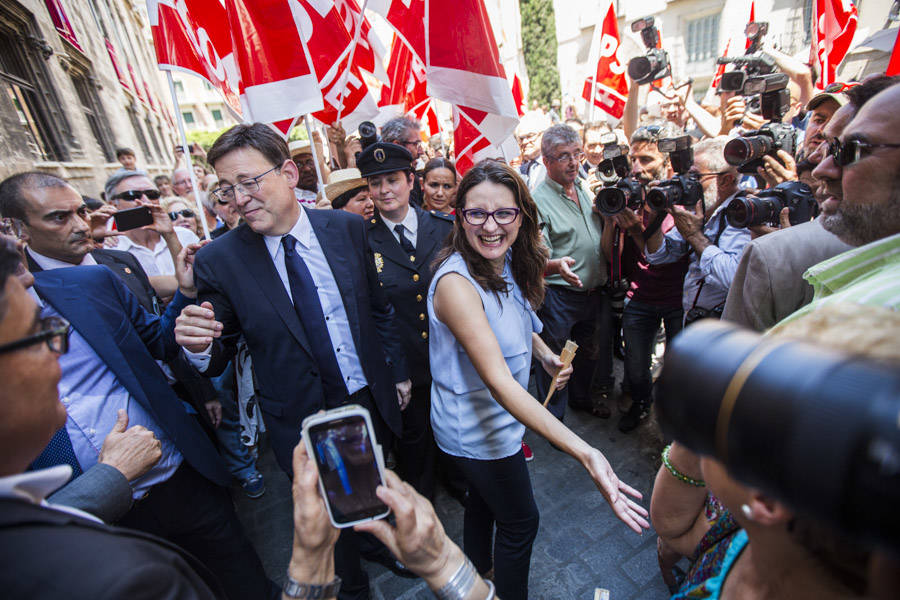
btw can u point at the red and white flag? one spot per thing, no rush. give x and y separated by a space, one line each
720 70
836 22
369 52
464 68
752 19
406 92
407 17
611 88
194 36
893 67
518 95
470 143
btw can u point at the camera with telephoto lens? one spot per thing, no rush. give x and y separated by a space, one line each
747 152
749 208
826 443
751 64
684 189
368 134
620 191
655 62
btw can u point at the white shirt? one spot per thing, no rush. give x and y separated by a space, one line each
410 222
336 320
306 197
34 487
158 260
48 264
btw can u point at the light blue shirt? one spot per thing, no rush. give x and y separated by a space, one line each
467 420
717 266
93 396
336 320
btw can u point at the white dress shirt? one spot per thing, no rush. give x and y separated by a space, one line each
156 260
336 320
410 222
48 264
34 487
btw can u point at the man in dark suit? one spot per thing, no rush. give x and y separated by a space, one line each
404 240
300 286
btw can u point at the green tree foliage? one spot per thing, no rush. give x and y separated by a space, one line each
539 45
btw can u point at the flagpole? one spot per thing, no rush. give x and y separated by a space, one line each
315 155
190 167
362 15
593 98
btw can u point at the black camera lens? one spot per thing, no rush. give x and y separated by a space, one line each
744 149
663 196
750 210
639 68
610 201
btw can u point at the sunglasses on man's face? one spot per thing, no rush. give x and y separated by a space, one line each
135 195
848 152
186 213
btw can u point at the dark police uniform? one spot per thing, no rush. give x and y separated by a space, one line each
405 278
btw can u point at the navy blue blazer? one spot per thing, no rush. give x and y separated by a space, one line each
236 274
128 338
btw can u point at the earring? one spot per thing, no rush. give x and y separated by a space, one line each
748 512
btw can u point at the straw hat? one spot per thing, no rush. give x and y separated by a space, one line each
299 147
342 181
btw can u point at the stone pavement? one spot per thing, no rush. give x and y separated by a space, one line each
580 545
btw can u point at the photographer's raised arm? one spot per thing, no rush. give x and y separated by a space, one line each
630 118
798 71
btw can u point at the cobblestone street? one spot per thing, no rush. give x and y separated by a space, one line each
580 546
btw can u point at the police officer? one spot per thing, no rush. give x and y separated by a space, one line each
404 240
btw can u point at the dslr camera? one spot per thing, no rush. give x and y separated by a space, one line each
626 192
752 63
746 152
368 134
655 62
749 209
684 189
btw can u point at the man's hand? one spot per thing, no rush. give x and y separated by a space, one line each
563 268
98 219
627 220
132 451
162 224
184 268
774 172
733 109
214 410
312 556
336 134
196 327
784 221
690 225
404 393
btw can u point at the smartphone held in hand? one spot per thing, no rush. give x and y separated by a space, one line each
343 444
133 218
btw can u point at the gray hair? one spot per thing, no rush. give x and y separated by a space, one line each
655 131
557 135
713 152
208 200
118 177
395 130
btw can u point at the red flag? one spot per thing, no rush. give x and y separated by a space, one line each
752 19
194 36
611 89
894 66
518 96
407 17
720 70
369 50
464 68
406 92
470 143
836 22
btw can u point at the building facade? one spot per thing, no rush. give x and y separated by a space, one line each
78 79
201 106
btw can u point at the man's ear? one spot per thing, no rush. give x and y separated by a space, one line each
291 172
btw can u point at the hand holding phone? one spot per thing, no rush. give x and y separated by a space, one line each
133 218
343 444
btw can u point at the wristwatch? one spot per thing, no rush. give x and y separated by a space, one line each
304 591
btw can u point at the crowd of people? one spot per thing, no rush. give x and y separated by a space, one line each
145 363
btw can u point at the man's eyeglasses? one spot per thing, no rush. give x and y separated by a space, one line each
847 153
248 186
186 213
564 158
135 195
54 332
837 87
413 143
478 216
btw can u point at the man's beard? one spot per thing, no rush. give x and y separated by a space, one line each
860 224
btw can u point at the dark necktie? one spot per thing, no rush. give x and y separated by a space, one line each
309 311
404 241
58 452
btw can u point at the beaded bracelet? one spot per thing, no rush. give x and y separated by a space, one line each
678 474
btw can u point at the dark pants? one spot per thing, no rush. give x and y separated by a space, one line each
500 493
586 319
640 322
199 516
416 449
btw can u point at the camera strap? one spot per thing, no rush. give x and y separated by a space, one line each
722 224
655 224
615 263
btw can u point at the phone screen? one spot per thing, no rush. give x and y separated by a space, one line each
133 218
347 468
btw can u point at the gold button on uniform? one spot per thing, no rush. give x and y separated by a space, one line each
416 277
421 316
412 258
418 297
424 335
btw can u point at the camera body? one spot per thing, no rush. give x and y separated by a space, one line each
749 209
655 62
627 191
684 189
751 64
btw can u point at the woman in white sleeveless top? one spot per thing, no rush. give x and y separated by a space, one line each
483 330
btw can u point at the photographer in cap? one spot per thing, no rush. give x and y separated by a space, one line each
703 233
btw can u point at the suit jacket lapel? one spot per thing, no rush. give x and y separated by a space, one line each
260 266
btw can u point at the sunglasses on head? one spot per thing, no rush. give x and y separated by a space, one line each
850 151
838 86
186 213
135 195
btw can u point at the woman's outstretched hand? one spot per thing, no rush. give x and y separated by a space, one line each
617 492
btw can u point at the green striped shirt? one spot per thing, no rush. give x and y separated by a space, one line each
868 275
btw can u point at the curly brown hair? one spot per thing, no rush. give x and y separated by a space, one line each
529 254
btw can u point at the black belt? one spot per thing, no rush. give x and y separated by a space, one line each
570 290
